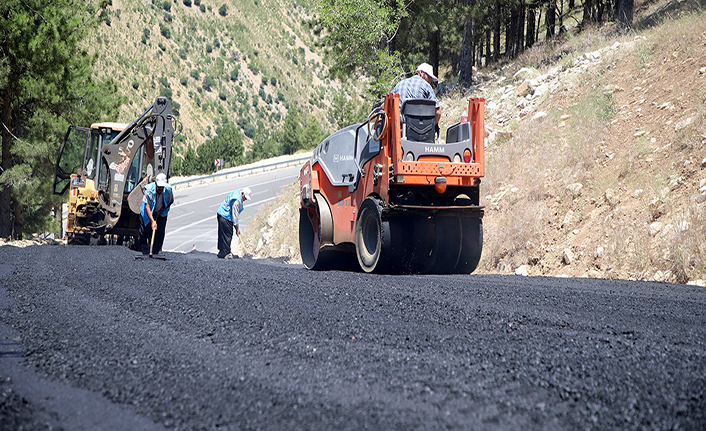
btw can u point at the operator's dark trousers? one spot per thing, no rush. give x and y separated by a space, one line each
146 236
225 235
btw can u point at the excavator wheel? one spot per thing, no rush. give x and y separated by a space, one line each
471 245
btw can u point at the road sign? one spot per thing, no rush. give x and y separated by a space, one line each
217 162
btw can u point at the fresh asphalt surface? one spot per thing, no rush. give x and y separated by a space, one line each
94 339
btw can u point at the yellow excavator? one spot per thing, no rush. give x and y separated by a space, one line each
105 168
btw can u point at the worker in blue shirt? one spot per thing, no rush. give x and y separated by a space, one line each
419 87
158 197
227 215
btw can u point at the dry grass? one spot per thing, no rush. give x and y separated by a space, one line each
589 137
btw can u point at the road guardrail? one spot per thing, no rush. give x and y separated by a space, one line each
241 171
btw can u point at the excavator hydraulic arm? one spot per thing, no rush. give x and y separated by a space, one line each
154 129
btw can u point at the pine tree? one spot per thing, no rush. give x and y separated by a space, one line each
46 83
292 131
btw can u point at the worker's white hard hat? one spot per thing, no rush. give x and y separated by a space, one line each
426 68
161 179
246 192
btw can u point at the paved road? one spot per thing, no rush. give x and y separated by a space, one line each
93 339
192 219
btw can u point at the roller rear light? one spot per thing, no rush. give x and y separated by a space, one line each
467 155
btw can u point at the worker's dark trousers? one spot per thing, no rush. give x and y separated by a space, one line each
146 236
225 235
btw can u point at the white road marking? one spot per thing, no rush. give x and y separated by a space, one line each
221 194
181 215
211 217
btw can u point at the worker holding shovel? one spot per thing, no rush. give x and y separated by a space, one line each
227 216
157 199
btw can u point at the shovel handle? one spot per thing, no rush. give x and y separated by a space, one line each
152 241
242 243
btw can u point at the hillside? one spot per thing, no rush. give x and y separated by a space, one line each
232 60
595 157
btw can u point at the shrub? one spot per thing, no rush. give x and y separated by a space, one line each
135 85
223 10
208 83
165 31
184 81
187 3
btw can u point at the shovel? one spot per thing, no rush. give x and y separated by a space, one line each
246 255
156 256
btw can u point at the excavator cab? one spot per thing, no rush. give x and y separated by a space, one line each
80 151
77 168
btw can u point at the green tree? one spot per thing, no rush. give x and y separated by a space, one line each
264 145
292 137
360 35
313 133
186 165
227 145
299 132
46 83
344 111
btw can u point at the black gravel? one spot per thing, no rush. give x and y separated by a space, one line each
200 343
